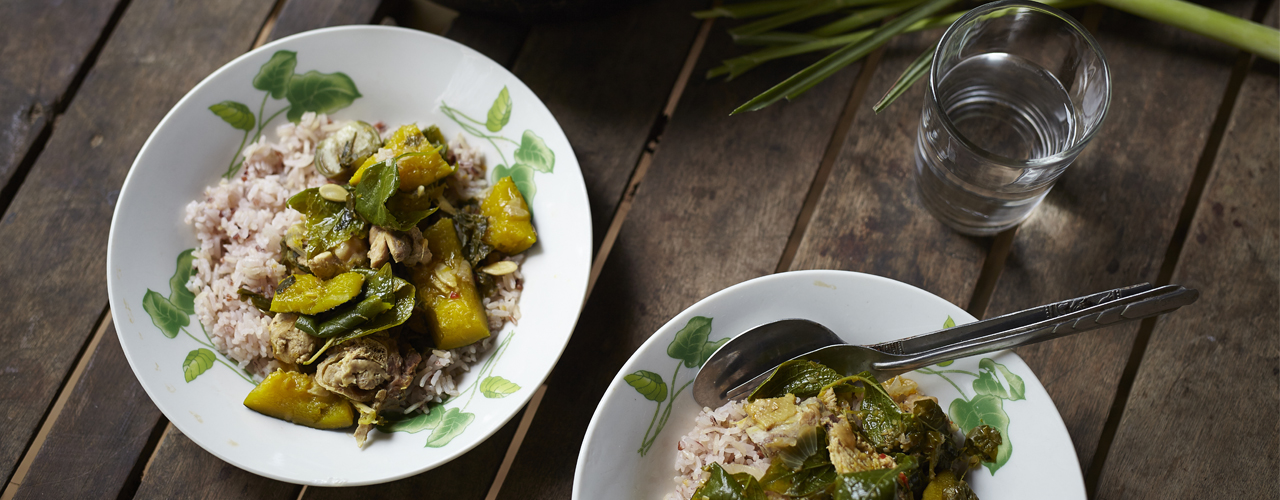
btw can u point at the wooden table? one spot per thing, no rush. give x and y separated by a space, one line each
1181 186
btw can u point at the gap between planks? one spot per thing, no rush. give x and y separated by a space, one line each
10 190
51 418
1204 167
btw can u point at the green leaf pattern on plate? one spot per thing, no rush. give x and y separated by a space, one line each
179 296
522 176
237 115
648 384
273 77
494 387
993 384
499 112
166 316
691 347
197 362
451 425
533 151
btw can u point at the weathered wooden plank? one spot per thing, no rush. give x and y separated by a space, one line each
62 211
869 218
1109 220
1200 421
94 446
466 477
181 469
43 48
715 208
299 15
495 38
606 81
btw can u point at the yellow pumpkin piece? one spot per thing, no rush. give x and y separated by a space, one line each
294 397
944 485
510 230
311 295
772 411
415 170
447 291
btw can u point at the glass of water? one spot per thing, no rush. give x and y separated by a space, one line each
1016 91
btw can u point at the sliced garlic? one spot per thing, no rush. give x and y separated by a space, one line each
500 268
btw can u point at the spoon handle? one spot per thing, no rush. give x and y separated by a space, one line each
1152 302
978 329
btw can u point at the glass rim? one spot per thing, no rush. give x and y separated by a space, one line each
1003 160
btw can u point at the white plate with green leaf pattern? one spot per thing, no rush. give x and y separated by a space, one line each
373 74
630 447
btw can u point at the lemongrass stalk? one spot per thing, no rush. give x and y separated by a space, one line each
738 65
797 15
770 38
801 82
863 18
1241 33
751 9
914 72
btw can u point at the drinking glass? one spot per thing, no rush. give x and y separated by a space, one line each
1016 91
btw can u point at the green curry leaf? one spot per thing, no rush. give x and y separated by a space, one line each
521 175
500 112
274 75
319 92
197 362
328 223
533 151
690 340
182 298
166 316
720 485
494 387
235 114
882 419
879 484
800 377
452 423
814 473
985 409
648 384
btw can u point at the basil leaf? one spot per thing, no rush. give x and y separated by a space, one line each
274 75
815 473
436 138
882 419
381 285
235 114
319 92
800 377
722 486
377 185
985 409
471 229
880 484
347 318
328 223
258 300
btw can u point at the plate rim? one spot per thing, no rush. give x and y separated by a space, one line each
111 254
673 323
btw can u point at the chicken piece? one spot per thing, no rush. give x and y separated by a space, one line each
408 248
850 453
783 434
356 368
344 257
288 344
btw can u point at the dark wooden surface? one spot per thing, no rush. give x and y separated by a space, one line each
1181 186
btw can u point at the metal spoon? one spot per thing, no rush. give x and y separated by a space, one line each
742 364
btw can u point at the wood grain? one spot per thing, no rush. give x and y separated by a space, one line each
42 58
869 218
497 39
1109 220
181 469
305 15
606 81
715 208
1200 421
93 448
62 211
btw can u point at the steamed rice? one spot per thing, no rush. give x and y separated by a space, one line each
241 222
714 438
